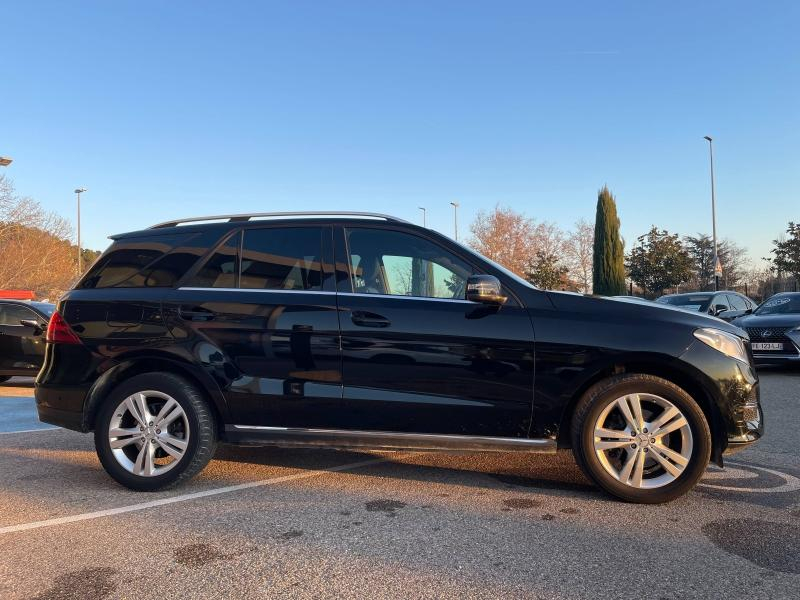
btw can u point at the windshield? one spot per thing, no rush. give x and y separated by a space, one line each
780 305
698 302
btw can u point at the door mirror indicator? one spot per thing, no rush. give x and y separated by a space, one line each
485 289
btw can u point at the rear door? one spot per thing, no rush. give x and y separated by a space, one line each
416 356
260 315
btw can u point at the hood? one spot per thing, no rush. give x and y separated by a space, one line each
783 321
645 311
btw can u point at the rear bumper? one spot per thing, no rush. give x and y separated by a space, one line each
62 406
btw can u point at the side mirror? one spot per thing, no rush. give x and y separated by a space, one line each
37 327
719 309
485 289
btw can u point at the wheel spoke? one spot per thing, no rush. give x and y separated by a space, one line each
616 434
670 467
636 406
638 470
611 444
627 468
672 455
124 437
625 408
137 406
671 426
173 446
168 415
666 415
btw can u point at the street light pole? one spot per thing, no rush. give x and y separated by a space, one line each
424 216
713 210
78 192
455 218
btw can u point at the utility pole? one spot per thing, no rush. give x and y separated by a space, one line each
455 218
713 213
424 216
78 192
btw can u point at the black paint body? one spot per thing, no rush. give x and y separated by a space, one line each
331 358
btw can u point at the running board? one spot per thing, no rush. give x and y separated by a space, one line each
381 440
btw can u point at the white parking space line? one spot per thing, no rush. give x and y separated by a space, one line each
30 430
186 497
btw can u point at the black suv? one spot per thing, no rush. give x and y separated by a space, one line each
362 330
22 325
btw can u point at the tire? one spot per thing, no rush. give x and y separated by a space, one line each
153 454
671 463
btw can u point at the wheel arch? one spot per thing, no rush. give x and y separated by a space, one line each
137 365
681 375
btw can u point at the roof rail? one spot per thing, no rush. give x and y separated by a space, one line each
274 215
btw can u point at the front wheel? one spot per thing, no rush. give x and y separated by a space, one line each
641 438
154 431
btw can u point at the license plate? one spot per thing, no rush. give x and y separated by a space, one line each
768 346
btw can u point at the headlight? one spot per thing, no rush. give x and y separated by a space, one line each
727 343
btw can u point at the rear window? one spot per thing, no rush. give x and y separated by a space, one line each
148 261
697 302
279 258
221 270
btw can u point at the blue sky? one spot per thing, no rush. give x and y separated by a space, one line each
175 109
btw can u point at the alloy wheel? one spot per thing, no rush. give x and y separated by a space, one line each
148 433
643 440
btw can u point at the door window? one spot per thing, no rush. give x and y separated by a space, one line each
282 259
12 314
222 269
737 302
400 264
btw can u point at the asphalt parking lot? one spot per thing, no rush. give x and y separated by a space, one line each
263 522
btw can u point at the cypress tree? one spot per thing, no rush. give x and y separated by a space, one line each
608 272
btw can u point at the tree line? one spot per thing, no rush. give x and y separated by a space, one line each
36 252
592 259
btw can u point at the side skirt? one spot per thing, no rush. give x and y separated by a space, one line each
381 440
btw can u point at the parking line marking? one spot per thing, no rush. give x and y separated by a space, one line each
185 497
30 430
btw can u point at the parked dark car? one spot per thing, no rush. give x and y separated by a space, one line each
22 326
774 329
725 305
362 330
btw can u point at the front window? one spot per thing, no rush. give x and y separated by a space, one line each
698 302
780 305
399 264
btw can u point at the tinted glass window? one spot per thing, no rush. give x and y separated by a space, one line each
780 305
282 259
222 269
11 314
737 302
699 302
134 262
720 300
400 264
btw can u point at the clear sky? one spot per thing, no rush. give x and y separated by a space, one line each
170 109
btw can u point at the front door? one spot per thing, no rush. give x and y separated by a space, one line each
416 356
21 346
258 317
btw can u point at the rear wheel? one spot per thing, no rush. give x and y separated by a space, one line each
154 431
641 438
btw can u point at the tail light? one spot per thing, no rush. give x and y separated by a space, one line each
59 332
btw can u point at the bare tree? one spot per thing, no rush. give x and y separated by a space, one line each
506 237
34 245
579 254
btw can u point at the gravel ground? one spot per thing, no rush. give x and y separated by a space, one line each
271 522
